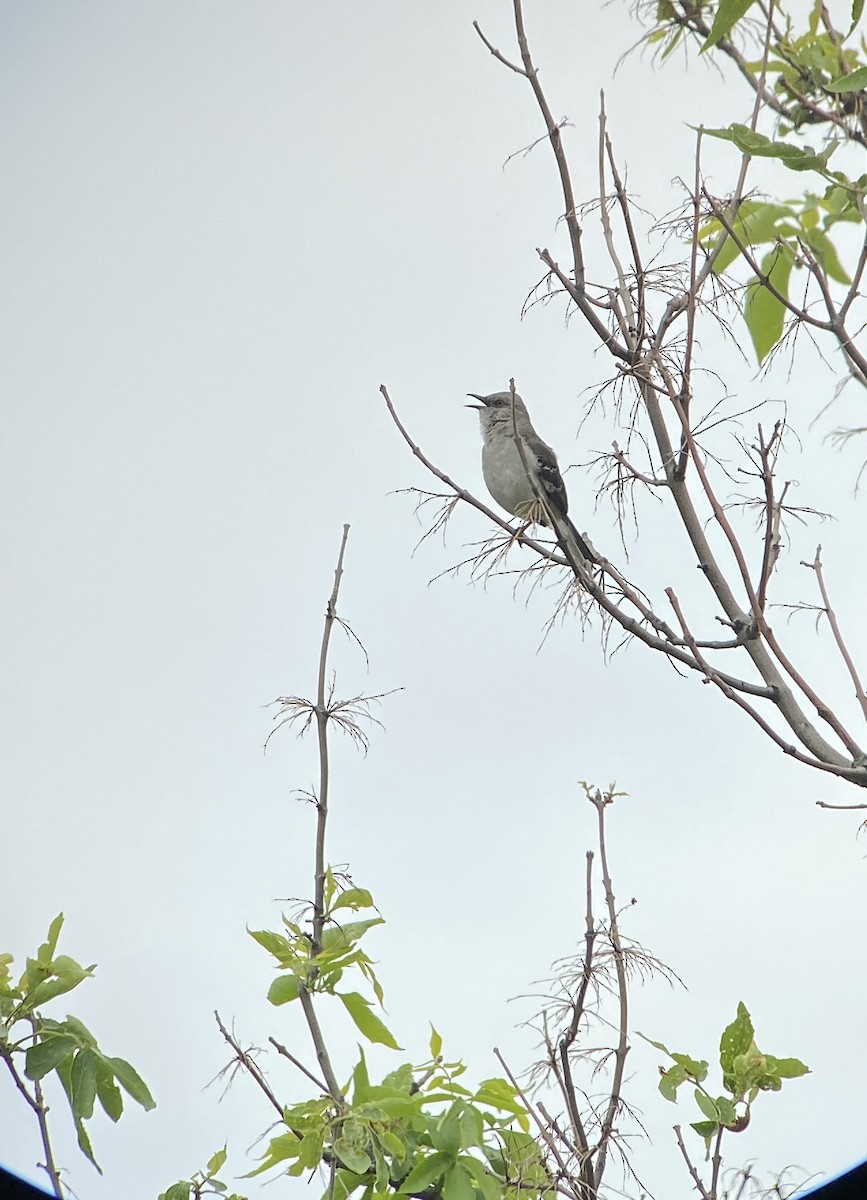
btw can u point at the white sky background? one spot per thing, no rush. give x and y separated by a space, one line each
224 226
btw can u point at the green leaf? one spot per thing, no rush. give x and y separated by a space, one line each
400 1079
366 1021
274 943
361 1090
736 1039
522 1158
84 1142
427 1172
695 1069
83 1081
178 1191
707 1106
490 1187
354 898
457 1184
280 1149
671 1080
656 1045
352 1156
705 1129
856 82
497 1093
339 938
46 951
748 141
81 1032
108 1092
392 1143
726 17
826 253
446 1130
756 222
131 1082
68 976
727 1112
382 1175
345 1183
216 1162
45 1055
790 1068
764 313
436 1043
857 10
472 1126
283 989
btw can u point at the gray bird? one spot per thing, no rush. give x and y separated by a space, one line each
507 477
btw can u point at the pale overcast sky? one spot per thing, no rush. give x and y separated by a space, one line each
224 226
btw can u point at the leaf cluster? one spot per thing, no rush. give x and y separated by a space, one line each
65 1048
418 1131
746 1072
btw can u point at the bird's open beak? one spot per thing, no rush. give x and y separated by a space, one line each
481 406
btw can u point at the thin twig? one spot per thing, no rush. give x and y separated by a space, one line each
281 1049
816 565
41 1110
622 1049
246 1060
696 1178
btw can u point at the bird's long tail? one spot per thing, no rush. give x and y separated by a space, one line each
575 546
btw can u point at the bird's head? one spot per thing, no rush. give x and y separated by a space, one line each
496 409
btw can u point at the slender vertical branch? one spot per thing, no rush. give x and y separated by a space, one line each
816 565
40 1108
600 802
322 1055
322 732
322 719
564 1074
696 1178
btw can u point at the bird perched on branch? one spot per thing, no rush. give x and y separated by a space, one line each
528 486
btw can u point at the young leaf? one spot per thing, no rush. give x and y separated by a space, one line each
736 1039
426 1173
436 1043
178 1191
707 1105
46 951
445 1131
280 1149
274 943
764 312
656 1045
856 82
45 1055
131 1082
748 141
107 1091
457 1184
367 1022
283 989
353 1157
354 898
789 1068
726 17
216 1162
70 976
705 1129
83 1079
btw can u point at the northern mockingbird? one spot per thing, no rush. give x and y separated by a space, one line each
511 482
